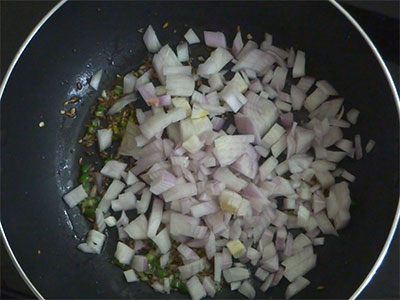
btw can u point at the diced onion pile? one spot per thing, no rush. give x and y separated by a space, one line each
260 191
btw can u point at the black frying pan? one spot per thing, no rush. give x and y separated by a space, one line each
39 164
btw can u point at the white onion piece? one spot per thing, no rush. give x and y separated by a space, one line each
162 183
191 37
214 39
151 41
112 192
358 147
267 283
182 51
209 286
180 85
315 99
237 44
352 115
75 196
129 83
121 223
121 103
229 148
113 169
348 176
110 221
101 225
188 270
155 218
247 290
299 64
139 263
195 288
370 145
124 253
160 121
104 137
326 87
164 260
95 80
94 242
163 242
217 267
255 60
300 269
296 286
137 229
130 276
214 64
236 274
279 78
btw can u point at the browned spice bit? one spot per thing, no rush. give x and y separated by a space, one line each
131 244
165 25
62 111
80 141
249 36
141 30
38 252
174 31
142 67
320 288
199 82
72 100
90 219
41 124
71 113
238 28
80 160
200 58
140 72
79 85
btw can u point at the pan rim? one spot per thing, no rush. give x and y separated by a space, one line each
347 15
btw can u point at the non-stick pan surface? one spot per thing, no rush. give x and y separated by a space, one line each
39 164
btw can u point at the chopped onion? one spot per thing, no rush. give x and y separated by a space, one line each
94 242
195 288
124 253
75 196
236 274
352 115
151 41
358 147
129 84
237 44
95 80
296 286
130 276
113 169
299 64
191 37
214 39
370 146
247 290
182 51
104 137
121 103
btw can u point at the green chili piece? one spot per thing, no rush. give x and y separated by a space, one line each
161 273
175 283
85 168
86 186
150 257
183 288
117 90
84 178
101 108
